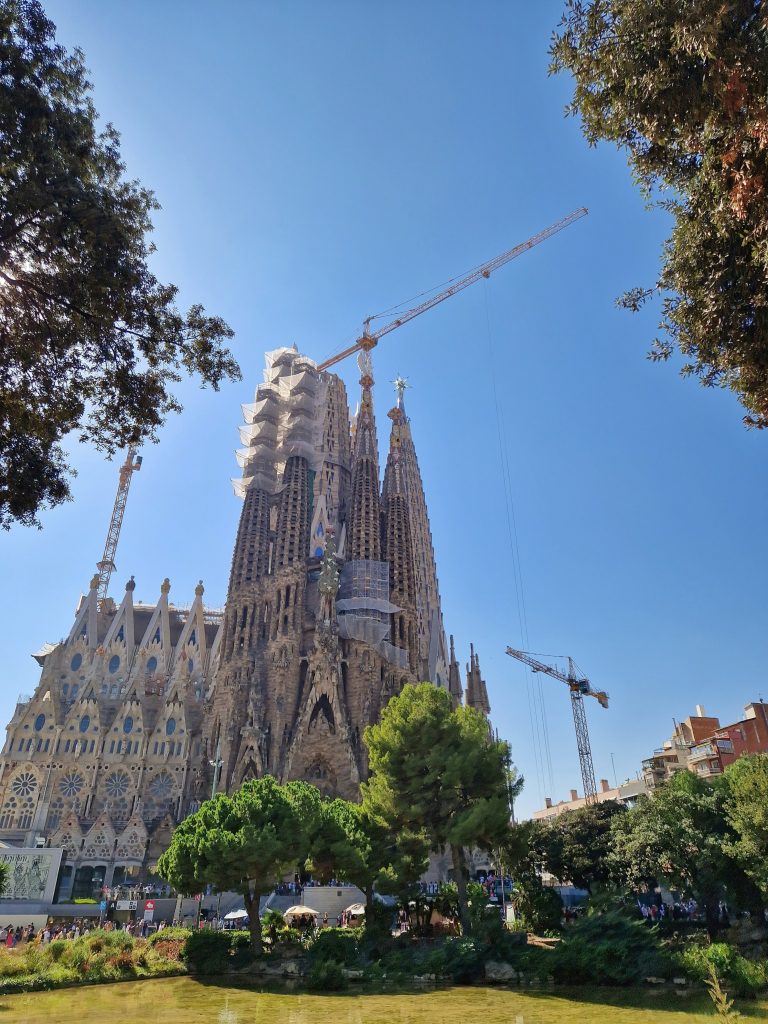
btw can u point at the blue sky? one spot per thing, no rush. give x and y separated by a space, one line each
320 162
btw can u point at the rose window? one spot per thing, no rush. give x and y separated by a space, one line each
161 786
117 784
24 784
71 784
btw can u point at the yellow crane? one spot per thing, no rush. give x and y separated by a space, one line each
369 339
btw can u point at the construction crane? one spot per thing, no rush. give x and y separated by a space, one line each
580 687
368 339
107 564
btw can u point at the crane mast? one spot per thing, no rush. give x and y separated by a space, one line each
369 339
107 564
579 687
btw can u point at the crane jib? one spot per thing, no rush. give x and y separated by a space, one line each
483 272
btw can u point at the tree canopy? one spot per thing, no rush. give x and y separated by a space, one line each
746 807
683 88
436 770
351 845
575 846
245 842
681 837
91 341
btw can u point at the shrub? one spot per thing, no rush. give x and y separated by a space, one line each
741 977
608 949
207 952
272 917
239 940
181 934
339 945
169 949
463 959
327 976
12 966
57 949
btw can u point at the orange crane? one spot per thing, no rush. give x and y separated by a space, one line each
579 687
107 564
369 339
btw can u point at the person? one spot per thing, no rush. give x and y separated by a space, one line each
325 919
10 939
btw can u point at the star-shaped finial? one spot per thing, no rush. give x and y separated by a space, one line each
401 383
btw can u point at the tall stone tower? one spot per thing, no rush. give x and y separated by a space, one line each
333 602
333 605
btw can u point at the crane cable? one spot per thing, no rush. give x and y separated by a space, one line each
537 714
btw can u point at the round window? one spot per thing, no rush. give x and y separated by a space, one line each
39 722
152 664
127 724
114 663
85 721
170 727
76 662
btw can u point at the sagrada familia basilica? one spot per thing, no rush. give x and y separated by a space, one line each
333 605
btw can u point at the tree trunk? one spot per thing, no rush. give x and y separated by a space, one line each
457 856
254 922
369 907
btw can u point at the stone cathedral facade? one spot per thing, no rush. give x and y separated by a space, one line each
332 606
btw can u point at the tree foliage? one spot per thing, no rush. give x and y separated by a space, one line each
245 843
575 846
352 846
91 341
746 807
436 770
683 88
681 837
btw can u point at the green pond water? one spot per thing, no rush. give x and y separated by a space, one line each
183 1001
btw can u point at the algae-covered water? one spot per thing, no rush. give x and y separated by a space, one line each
183 1001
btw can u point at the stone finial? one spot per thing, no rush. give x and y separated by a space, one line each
130 585
165 586
199 589
95 581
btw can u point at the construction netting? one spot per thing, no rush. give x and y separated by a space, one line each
364 608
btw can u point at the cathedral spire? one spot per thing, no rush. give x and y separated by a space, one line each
432 656
454 678
399 544
477 692
363 539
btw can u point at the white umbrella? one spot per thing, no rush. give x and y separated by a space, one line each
235 915
300 912
355 910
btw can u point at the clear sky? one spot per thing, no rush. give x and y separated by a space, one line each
317 162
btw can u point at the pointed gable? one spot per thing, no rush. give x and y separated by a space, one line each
85 625
99 840
156 642
68 835
132 841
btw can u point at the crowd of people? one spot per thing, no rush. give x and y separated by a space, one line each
11 937
682 910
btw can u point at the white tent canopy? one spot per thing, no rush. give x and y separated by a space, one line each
355 910
300 912
235 915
